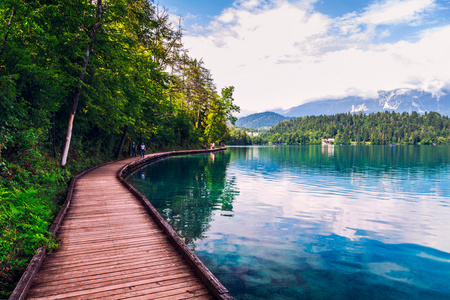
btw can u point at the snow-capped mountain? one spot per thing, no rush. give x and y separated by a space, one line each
400 100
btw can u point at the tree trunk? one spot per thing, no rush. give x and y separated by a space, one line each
197 125
54 135
122 141
78 90
7 32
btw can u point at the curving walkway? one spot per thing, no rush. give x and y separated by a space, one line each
111 248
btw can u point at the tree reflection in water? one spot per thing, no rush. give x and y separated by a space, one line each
187 189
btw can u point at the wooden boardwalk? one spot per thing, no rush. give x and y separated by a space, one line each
111 248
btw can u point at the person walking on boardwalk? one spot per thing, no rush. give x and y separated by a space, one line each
142 150
133 150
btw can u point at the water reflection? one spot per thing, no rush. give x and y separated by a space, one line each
187 190
328 149
303 222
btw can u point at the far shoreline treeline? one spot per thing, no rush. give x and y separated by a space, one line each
381 128
79 81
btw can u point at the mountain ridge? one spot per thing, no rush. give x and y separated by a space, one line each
399 100
260 120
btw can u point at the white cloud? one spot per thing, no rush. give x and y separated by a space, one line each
227 17
248 4
283 54
395 11
361 27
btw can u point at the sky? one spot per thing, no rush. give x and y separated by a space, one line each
283 53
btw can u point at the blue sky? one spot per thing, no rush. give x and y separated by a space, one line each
207 9
282 53
203 8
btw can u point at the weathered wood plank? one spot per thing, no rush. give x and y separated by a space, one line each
58 278
131 241
104 225
105 281
80 218
107 236
83 234
74 249
136 248
151 288
179 291
100 291
80 271
62 262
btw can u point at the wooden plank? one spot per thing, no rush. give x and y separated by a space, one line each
80 259
58 278
79 217
150 288
112 203
180 290
183 293
107 228
65 246
144 258
81 271
106 281
101 289
111 240
125 210
84 227
61 262
107 236
140 247
158 269
85 233
92 215
101 203
101 245
78 220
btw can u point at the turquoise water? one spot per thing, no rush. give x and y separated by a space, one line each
312 222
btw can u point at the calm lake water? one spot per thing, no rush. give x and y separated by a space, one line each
313 222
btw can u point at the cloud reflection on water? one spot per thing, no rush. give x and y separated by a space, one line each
405 205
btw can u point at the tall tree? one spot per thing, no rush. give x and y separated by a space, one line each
220 113
76 98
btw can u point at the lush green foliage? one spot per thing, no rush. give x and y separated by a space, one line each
29 197
377 129
239 137
140 85
221 111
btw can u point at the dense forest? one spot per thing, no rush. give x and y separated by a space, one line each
80 80
382 128
263 120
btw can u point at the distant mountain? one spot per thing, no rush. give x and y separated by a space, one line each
260 120
400 100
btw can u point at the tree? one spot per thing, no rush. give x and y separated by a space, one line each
93 37
220 113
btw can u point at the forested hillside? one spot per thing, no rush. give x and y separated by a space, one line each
377 129
80 80
260 120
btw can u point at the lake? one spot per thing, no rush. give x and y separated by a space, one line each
313 222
